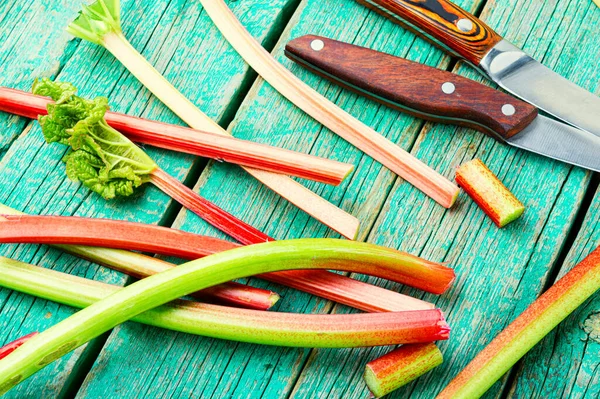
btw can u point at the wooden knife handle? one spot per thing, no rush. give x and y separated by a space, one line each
454 28
410 87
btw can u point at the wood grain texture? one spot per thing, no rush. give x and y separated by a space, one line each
32 176
412 87
441 20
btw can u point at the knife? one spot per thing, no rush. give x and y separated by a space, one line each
466 36
443 96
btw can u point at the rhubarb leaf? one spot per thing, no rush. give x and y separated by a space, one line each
96 20
102 159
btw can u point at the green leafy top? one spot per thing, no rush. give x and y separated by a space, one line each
104 160
96 20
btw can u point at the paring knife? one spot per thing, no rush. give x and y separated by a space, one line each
443 96
466 36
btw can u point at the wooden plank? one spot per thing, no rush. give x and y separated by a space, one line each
566 363
492 286
25 23
32 177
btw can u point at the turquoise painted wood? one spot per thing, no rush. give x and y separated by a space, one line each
499 271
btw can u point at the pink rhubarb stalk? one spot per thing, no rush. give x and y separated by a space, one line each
528 329
195 142
401 366
11 346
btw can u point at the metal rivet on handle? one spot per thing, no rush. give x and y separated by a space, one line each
448 88
317 45
464 25
508 110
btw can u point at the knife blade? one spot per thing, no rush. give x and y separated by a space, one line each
466 36
442 96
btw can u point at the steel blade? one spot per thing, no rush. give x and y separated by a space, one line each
528 79
556 140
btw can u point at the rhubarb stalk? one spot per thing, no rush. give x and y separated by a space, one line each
401 366
332 286
489 193
100 23
412 270
528 329
161 288
310 101
252 326
195 142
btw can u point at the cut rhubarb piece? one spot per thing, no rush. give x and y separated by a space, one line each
195 142
489 193
401 366
11 346
411 270
528 329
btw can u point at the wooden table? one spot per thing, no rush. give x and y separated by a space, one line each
499 271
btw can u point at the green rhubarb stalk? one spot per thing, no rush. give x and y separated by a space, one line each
401 366
140 266
164 287
252 326
108 163
528 329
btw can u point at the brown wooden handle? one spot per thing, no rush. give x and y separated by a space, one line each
454 28
418 89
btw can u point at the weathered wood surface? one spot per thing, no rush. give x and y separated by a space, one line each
499 271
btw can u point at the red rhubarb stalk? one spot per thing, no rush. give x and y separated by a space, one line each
195 142
489 193
224 221
528 329
413 271
325 284
11 346
401 366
